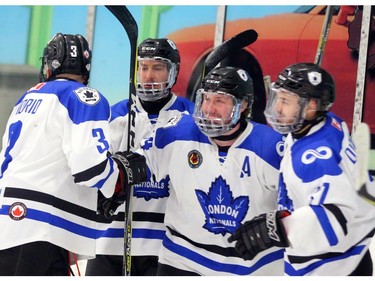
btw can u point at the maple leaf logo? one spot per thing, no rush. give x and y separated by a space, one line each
223 212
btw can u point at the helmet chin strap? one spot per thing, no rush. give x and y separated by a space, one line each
235 134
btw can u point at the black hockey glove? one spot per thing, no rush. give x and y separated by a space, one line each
107 206
260 233
133 170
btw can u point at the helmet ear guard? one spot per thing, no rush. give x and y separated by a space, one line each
66 53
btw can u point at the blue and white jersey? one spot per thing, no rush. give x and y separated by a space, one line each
53 161
330 228
149 198
213 193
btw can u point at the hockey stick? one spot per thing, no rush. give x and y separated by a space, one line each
361 138
220 25
361 70
130 25
324 35
237 42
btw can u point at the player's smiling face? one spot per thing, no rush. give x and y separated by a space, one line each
218 105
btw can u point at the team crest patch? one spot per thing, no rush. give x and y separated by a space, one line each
87 95
17 211
315 78
173 121
223 212
195 159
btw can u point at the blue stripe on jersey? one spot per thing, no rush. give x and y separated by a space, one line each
262 137
325 224
100 183
221 267
148 233
55 221
289 270
111 233
136 233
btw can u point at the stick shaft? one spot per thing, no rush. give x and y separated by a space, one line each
324 36
127 20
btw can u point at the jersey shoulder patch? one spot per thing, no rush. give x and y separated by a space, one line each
87 95
318 154
174 120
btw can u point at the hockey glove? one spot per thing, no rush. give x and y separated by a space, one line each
107 206
260 233
133 170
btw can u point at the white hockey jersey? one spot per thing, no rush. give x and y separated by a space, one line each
53 161
330 228
212 194
149 198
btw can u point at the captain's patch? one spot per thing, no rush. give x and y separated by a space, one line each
223 212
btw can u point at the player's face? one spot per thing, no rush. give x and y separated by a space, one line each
287 106
285 110
217 105
152 71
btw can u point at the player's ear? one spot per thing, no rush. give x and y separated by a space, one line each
244 105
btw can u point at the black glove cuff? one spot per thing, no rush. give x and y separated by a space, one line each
276 230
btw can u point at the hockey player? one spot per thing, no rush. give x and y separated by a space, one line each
324 226
53 162
156 104
221 170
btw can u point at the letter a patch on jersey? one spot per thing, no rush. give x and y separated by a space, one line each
223 212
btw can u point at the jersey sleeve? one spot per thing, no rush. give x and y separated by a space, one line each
327 209
86 140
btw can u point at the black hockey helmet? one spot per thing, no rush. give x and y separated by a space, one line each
66 53
164 50
229 81
162 47
308 80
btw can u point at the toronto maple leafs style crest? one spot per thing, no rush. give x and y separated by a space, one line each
223 212
87 95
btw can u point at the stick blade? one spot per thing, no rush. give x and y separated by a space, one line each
237 42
